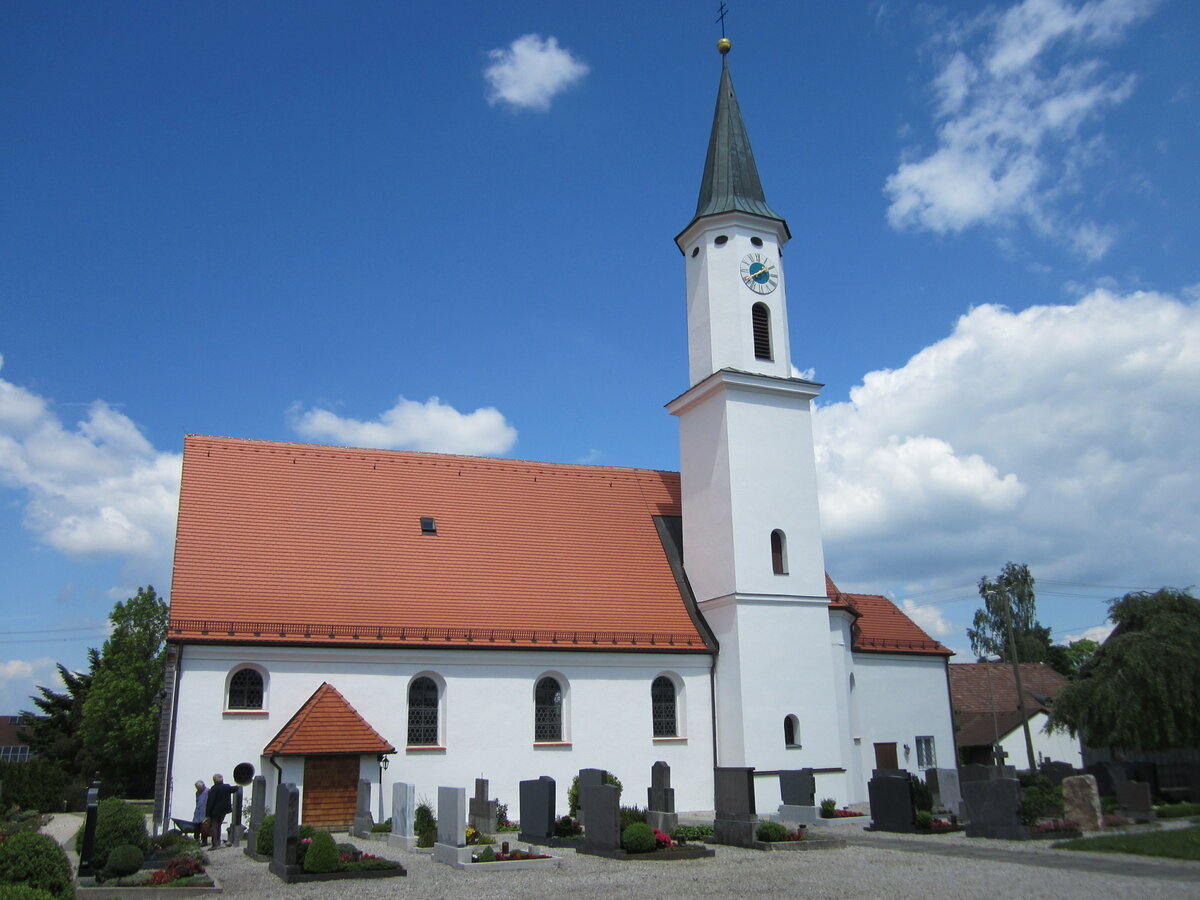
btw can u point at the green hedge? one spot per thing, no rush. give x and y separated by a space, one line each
36 784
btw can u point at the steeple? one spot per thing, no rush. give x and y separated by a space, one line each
730 176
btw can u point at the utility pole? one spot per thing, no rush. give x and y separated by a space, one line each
1016 664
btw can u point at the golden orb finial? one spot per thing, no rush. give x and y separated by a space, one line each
723 45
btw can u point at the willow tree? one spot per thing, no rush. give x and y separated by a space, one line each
1141 689
1010 593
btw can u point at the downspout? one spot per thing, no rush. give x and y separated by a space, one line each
712 696
278 778
166 787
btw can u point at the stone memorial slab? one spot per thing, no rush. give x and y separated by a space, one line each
363 820
891 796
947 793
1055 772
287 825
537 810
1108 775
481 812
451 845
993 807
1193 783
660 808
1135 802
88 847
603 832
735 819
258 803
797 787
1081 802
404 810
589 778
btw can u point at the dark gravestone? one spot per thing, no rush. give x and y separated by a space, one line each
1193 783
1135 802
1108 775
589 778
88 848
734 800
1055 772
537 810
660 808
258 803
1146 772
798 791
481 812
993 807
235 827
287 824
946 789
363 820
602 835
891 796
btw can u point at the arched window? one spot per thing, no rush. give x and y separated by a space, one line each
662 703
778 552
547 710
422 712
760 316
791 731
246 689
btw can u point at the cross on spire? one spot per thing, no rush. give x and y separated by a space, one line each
722 9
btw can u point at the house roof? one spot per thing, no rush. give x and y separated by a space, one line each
974 687
880 626
326 723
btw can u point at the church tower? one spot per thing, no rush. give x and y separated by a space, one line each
751 526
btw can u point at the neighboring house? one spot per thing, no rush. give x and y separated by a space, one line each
984 696
12 748
342 613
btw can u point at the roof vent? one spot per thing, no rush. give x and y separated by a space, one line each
428 525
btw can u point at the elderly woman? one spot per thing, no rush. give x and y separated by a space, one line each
199 815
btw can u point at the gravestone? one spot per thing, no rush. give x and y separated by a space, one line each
977 772
1055 772
589 778
363 820
735 818
481 813
258 803
404 810
993 807
660 807
1134 801
891 795
944 785
1108 775
1145 771
1081 802
798 790
235 827
88 848
451 845
287 825
537 810
603 834
1193 783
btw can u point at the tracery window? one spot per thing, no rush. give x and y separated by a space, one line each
423 712
547 710
662 702
246 689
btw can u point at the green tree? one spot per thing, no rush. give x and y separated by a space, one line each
120 714
1069 659
1013 589
54 732
1141 689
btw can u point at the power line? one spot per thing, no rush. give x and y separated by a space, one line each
57 630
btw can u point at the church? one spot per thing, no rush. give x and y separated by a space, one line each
340 614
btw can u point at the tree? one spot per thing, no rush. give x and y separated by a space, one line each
1141 689
1012 589
120 714
1069 659
54 733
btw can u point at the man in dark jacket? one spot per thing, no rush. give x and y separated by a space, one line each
219 806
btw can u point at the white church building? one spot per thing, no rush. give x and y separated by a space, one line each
341 613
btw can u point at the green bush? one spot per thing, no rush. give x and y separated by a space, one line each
922 796
36 860
322 855
631 814
118 822
638 838
35 784
1041 800
264 838
18 820
1177 810
425 825
828 805
573 791
692 832
124 859
771 831
924 818
302 833
487 854
23 892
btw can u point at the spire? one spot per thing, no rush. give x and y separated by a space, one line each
730 176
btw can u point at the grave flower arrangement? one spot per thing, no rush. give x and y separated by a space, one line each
1052 825
504 854
662 840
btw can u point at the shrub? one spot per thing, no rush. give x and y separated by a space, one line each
1040 800
425 825
771 831
573 791
118 822
322 855
37 861
381 827
922 796
1177 810
924 818
304 836
124 859
34 784
691 832
567 827
18 820
264 838
638 838
23 892
828 805
487 854
631 814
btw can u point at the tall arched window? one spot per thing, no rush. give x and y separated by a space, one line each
778 552
547 710
662 703
246 689
423 712
760 316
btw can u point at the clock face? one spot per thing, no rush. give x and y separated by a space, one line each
759 273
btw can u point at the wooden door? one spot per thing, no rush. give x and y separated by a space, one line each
330 791
885 756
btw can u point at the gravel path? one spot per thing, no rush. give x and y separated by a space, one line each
891 866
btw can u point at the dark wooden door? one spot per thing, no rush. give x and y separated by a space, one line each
885 756
330 791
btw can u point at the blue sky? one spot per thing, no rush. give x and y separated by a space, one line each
449 227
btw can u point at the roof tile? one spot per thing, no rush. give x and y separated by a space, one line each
326 723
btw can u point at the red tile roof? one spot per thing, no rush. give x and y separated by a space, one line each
974 687
326 723
880 626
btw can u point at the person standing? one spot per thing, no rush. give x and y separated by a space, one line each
201 811
218 806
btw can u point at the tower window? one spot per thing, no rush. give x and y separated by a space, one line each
778 552
756 241
662 701
760 316
721 240
695 251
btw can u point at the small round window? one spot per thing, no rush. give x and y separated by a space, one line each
756 241
695 250
721 240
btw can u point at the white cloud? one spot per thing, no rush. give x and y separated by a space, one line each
1060 436
928 618
18 681
1011 112
431 426
1097 633
530 72
99 489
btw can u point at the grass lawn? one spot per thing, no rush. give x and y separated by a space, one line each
1182 843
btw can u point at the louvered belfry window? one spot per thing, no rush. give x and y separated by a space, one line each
547 710
662 701
760 316
246 690
422 712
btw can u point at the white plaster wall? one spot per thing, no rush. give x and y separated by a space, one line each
1058 746
488 718
898 698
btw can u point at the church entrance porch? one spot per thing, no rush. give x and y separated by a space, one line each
330 791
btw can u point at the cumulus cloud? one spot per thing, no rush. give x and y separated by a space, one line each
98 489
531 72
432 426
18 679
1012 112
1061 436
928 618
